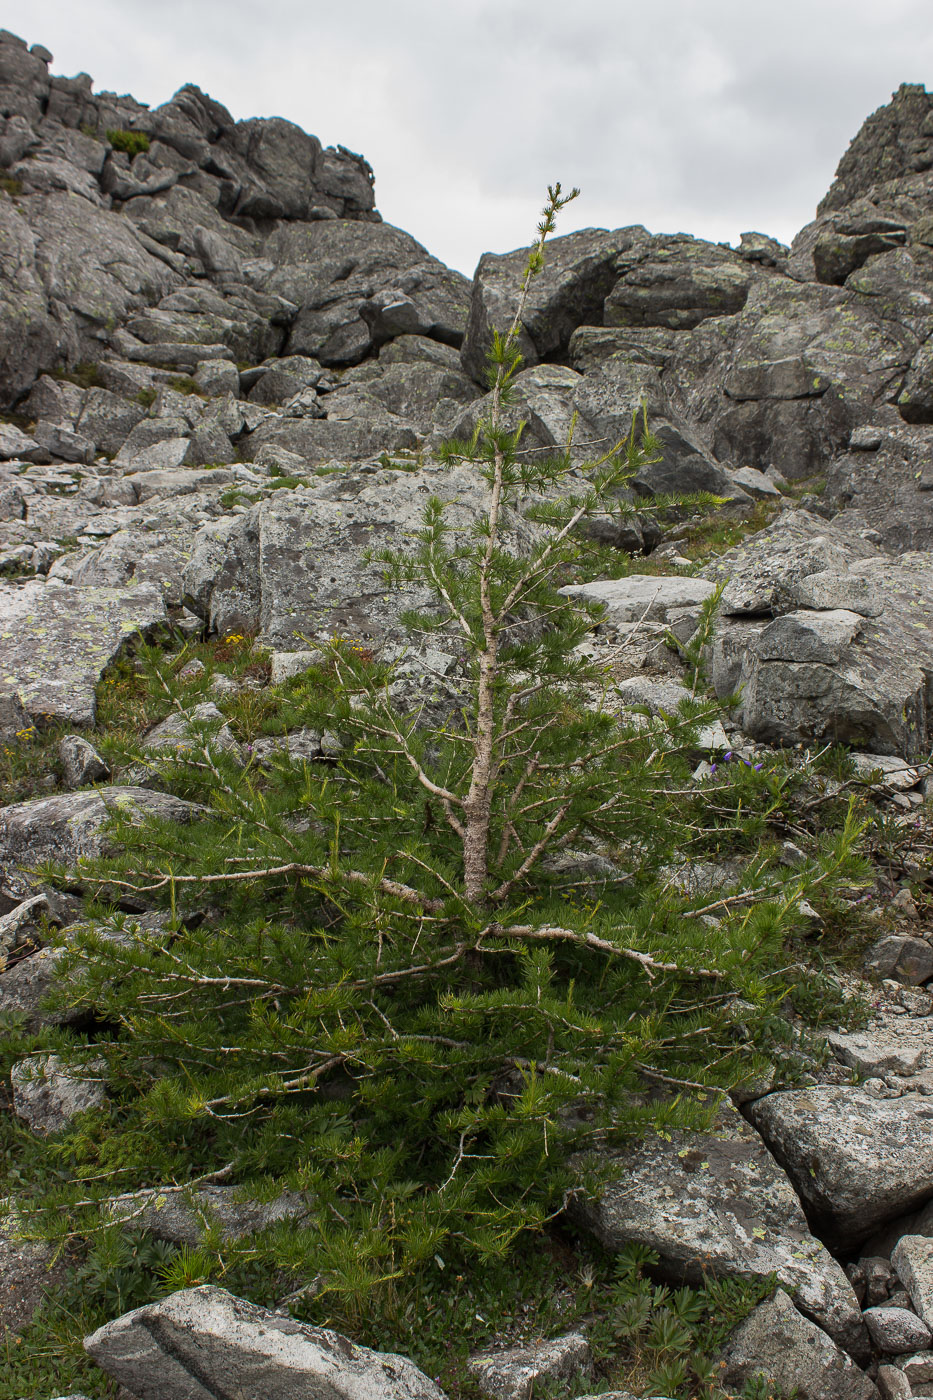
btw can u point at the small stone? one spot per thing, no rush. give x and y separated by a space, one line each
865 439
880 1278
286 664
192 670
906 959
895 774
880 1089
893 1384
912 1257
905 904
81 762
512 1374
895 1330
915 1001
300 745
222 685
875 1057
918 1369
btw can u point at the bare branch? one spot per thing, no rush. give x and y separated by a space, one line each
320 872
551 934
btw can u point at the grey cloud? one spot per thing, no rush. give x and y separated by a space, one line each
708 118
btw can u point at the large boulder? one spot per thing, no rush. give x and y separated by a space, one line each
203 1342
856 1161
826 638
356 427
883 482
782 383
56 642
297 566
71 827
718 1204
677 282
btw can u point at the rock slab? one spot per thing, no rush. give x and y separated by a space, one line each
855 1161
794 1354
56 642
718 1203
201 1343
912 1257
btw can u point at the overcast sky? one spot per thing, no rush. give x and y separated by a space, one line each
703 116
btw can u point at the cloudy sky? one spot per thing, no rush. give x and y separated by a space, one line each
704 116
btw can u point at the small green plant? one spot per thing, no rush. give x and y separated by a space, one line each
86 374
184 384
147 397
665 1339
132 143
11 185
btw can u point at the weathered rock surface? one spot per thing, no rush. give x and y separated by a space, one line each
643 597
28 1271
25 986
55 643
48 1093
856 1161
203 1341
183 1217
295 566
719 1203
852 663
777 1343
912 1257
